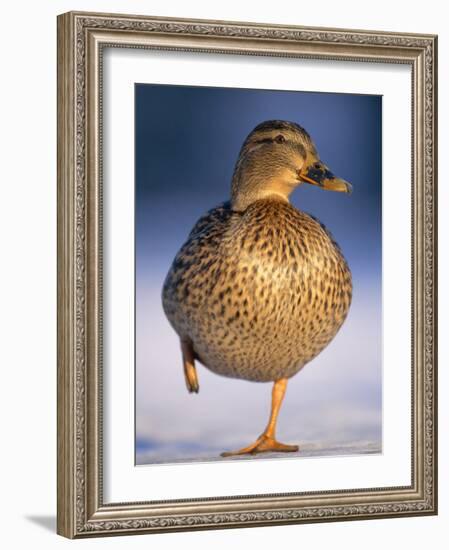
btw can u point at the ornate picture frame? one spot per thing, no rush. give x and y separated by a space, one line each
82 40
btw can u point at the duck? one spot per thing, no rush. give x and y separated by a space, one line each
260 288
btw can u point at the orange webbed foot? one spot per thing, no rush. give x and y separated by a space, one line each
263 444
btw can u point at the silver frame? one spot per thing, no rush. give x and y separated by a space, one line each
81 40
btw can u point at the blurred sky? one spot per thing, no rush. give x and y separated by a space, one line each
187 142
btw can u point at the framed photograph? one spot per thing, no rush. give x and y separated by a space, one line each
246 274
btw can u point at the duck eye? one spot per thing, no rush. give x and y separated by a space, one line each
317 165
280 139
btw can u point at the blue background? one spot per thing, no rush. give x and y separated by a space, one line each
187 140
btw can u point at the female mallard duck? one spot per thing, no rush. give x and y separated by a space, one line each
260 288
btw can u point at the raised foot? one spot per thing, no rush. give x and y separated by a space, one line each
188 359
264 444
191 378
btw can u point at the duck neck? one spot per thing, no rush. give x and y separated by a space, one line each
248 188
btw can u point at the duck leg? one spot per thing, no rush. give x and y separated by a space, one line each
188 359
267 441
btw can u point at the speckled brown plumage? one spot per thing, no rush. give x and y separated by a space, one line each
259 293
260 288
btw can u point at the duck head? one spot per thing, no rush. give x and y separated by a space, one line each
275 158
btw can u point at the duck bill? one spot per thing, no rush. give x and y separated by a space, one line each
318 174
